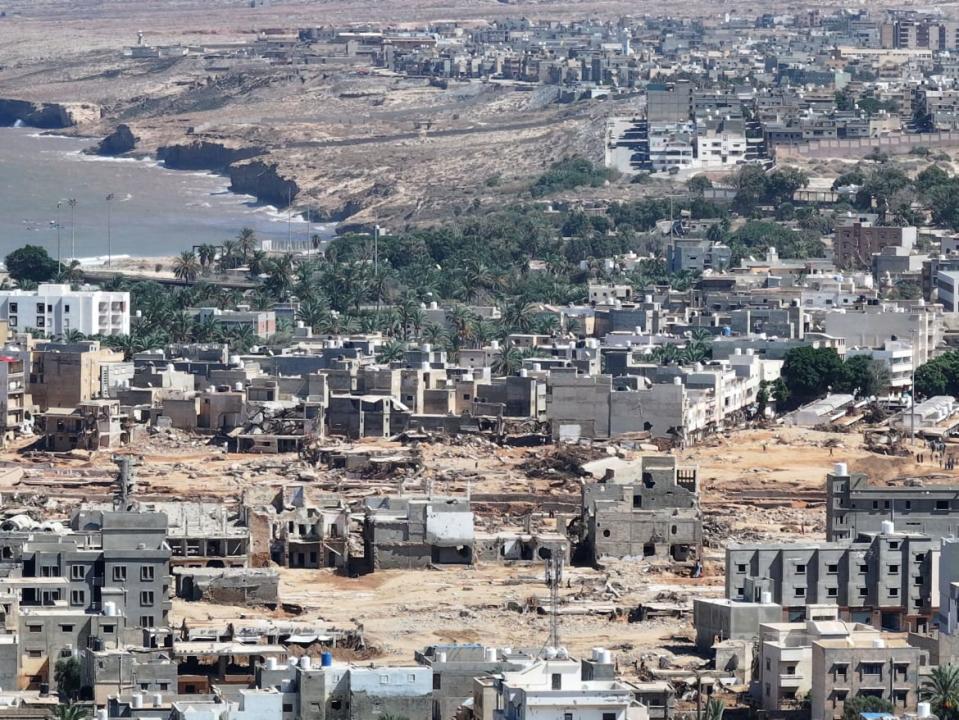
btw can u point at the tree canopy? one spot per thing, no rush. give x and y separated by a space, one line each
31 263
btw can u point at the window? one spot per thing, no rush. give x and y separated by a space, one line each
13 322
78 572
893 592
863 569
77 597
287 707
120 573
146 573
567 716
741 568
66 308
893 569
871 668
13 307
41 322
34 653
637 501
832 592
146 598
557 681
609 716
800 592
49 308
863 592
894 545
66 628
109 630
40 308
35 628
942 504
437 681
146 621
800 569
832 569
908 504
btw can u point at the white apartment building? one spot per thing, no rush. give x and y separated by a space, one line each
947 286
896 355
554 688
717 149
871 326
55 310
672 146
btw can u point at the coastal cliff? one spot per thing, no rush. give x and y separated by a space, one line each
50 116
264 182
205 155
122 140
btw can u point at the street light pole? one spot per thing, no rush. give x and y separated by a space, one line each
72 202
109 199
59 261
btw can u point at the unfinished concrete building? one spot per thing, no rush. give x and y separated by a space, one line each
298 527
885 580
402 532
648 508
854 506
204 535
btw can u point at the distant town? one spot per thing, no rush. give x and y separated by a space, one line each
665 430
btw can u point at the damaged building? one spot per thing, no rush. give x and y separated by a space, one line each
647 508
408 532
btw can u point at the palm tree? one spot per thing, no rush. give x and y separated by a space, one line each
391 352
941 689
229 257
186 267
69 711
435 335
206 253
73 273
508 360
546 324
180 326
241 338
714 709
312 312
257 262
463 322
73 336
280 280
518 316
666 354
246 243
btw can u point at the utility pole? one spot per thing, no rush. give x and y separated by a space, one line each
72 202
59 225
289 221
109 200
554 576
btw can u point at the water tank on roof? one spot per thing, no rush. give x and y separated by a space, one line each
271 663
727 331
878 643
305 663
489 654
766 598
924 710
326 659
136 700
840 470
887 527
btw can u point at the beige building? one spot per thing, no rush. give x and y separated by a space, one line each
843 668
65 375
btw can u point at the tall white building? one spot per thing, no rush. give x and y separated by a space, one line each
56 310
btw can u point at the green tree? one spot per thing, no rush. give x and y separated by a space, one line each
714 709
699 184
808 372
186 266
508 360
31 263
69 711
853 707
68 675
568 174
863 376
941 689
391 351
939 376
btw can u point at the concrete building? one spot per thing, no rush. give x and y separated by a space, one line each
718 619
65 375
56 310
872 325
896 356
646 509
857 242
843 668
855 507
887 580
697 254
403 533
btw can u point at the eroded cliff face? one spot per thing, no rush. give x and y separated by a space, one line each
205 155
263 181
122 140
50 116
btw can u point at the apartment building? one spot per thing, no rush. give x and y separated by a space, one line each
55 310
844 668
857 242
65 375
855 507
896 356
887 580
871 325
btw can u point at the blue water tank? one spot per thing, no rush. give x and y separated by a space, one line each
326 659
727 331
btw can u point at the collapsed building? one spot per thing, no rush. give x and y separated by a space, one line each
648 508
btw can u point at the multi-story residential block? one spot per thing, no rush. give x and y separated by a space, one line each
886 580
648 508
855 507
871 325
844 668
55 310
857 242
65 375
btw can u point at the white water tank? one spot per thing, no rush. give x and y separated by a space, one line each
840 470
766 598
305 662
271 663
924 710
677 381
426 347
103 714
136 700
605 657
157 699
878 643
550 652
562 653
441 657
110 608
887 527
489 655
